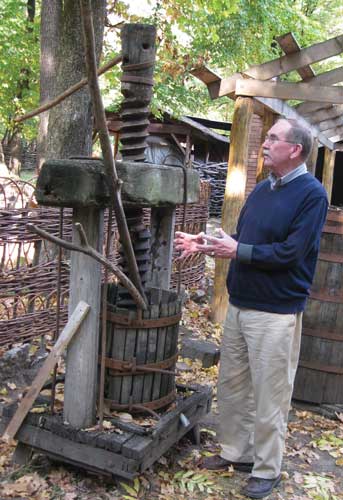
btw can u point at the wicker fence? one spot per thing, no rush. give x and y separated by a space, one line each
28 265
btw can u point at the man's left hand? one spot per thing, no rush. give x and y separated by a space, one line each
223 246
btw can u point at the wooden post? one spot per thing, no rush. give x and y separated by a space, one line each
162 231
312 159
82 353
234 195
268 121
328 171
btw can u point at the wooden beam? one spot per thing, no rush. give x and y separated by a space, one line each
282 108
319 116
328 77
282 65
287 90
333 131
311 162
211 79
309 107
63 340
291 62
234 195
328 171
289 45
336 138
328 124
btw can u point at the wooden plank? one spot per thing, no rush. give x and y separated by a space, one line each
306 108
333 131
154 311
325 114
291 62
162 226
234 195
311 162
287 90
328 171
329 124
289 45
282 108
82 353
280 66
83 454
211 79
328 77
336 138
65 337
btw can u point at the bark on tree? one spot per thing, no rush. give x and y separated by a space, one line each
70 122
51 18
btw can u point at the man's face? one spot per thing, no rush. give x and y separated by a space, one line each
278 153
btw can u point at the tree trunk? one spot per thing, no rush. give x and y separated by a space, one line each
51 18
70 122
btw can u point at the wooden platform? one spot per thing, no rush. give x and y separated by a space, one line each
126 451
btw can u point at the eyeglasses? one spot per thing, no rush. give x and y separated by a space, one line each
274 138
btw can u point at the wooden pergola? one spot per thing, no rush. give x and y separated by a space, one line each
258 90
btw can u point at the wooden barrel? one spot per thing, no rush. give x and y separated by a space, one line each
141 352
319 377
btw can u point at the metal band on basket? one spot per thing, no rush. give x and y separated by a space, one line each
150 406
122 368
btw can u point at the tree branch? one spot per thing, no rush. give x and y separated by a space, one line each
88 250
66 93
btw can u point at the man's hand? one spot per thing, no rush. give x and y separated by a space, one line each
188 243
223 247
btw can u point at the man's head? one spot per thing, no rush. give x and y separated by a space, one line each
286 145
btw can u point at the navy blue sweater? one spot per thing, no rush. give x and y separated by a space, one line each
284 227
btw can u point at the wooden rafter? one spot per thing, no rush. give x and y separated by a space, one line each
287 90
274 105
329 124
333 132
271 69
319 116
306 108
289 45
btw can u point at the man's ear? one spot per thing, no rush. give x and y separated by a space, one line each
297 151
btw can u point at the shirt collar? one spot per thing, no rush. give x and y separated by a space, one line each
276 182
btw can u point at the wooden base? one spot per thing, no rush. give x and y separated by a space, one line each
125 453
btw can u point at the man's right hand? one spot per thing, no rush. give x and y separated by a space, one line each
188 243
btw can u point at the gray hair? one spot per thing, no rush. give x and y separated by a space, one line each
300 135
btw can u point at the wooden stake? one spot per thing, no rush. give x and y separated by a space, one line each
328 171
234 195
312 159
74 322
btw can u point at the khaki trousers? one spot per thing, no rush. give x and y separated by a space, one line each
259 357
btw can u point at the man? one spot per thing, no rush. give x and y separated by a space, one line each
273 256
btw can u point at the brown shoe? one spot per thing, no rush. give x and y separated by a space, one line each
216 462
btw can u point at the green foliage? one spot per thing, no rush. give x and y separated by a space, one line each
19 64
227 36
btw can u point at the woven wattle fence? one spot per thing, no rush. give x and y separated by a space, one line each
28 265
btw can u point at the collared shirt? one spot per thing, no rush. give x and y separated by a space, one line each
276 182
